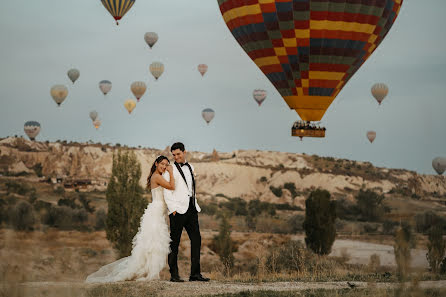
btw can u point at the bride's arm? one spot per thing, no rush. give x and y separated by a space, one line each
169 185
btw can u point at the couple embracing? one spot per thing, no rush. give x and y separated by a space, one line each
173 191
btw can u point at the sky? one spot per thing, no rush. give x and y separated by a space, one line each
41 40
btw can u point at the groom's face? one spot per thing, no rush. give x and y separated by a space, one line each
179 156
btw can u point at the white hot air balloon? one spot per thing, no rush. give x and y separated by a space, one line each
151 38
59 93
138 89
259 96
202 68
156 68
105 86
97 123
73 74
93 115
32 129
380 91
371 135
208 114
439 165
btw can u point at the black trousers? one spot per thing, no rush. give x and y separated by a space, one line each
189 221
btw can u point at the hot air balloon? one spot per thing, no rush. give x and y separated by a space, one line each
93 115
59 93
439 165
208 114
202 68
130 104
309 49
73 74
138 89
97 123
156 68
380 91
118 8
371 135
105 86
259 96
32 129
151 38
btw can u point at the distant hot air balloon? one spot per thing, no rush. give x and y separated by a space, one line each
380 91
151 38
371 135
208 114
105 86
118 8
309 49
130 104
259 96
32 129
156 68
138 89
73 74
439 165
93 115
202 68
59 93
97 123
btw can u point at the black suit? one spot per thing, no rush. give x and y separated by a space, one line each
189 221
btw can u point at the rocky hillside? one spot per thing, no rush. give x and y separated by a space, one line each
268 176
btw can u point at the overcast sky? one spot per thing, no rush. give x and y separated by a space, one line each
41 40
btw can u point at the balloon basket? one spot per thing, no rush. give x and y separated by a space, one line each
318 133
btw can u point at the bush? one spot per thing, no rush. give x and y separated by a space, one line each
263 179
65 218
292 188
236 206
295 222
59 190
288 257
436 248
403 239
276 191
223 245
374 262
101 218
38 169
346 210
370 205
209 209
18 188
21 216
389 227
86 203
425 221
71 203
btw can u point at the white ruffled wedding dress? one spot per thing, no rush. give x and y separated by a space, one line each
151 245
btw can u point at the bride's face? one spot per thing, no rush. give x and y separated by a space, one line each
161 167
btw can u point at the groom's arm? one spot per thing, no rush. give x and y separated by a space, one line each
168 196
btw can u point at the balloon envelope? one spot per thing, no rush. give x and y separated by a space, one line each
93 115
105 86
380 91
259 96
439 165
151 38
118 8
208 114
138 89
97 124
156 68
32 129
130 104
371 135
202 68
73 74
59 93
309 49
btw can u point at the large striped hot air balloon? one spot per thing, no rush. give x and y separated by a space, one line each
309 49
118 8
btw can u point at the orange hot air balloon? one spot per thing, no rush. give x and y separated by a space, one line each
202 68
371 135
309 49
130 105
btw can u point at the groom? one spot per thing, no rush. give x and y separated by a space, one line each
183 213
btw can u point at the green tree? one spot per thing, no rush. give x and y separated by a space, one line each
223 245
126 203
22 217
319 224
436 248
370 204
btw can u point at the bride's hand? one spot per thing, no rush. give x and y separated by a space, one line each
169 168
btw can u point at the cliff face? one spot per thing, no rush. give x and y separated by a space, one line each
245 174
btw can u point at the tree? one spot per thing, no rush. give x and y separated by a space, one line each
403 239
319 224
126 203
223 245
436 248
370 205
22 216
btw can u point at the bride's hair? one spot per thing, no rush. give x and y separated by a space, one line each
152 170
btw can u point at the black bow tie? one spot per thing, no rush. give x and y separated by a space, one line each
182 164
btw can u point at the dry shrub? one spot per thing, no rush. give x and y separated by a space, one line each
374 262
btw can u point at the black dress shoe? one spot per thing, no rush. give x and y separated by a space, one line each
176 279
198 278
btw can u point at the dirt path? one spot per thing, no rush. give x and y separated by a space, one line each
165 288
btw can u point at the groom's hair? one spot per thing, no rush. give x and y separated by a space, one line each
177 146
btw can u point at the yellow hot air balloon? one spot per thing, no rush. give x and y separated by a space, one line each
59 93
130 105
138 89
156 68
118 8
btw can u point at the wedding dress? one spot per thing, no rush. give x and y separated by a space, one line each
151 245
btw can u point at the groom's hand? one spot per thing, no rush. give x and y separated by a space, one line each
174 213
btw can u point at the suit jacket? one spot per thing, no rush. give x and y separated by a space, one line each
178 199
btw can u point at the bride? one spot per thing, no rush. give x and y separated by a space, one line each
151 244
